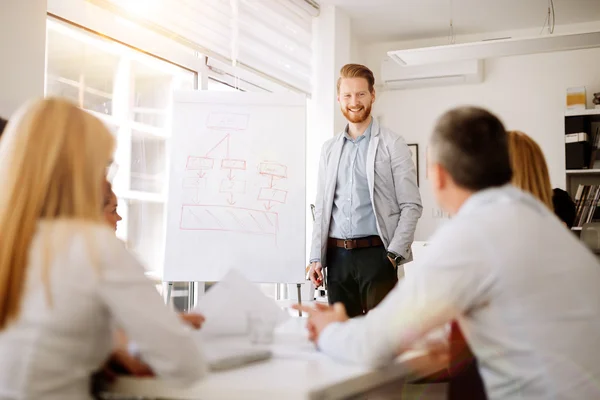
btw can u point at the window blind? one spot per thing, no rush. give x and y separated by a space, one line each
271 38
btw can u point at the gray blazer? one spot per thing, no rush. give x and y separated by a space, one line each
392 184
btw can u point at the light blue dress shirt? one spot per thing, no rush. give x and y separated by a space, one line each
352 214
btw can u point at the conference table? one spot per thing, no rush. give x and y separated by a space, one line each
297 370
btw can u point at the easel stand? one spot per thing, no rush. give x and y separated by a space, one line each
191 294
299 288
168 290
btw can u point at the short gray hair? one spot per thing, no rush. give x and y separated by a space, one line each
471 144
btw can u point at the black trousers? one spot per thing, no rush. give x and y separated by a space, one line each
359 278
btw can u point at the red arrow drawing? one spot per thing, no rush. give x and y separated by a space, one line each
268 206
196 199
230 174
230 199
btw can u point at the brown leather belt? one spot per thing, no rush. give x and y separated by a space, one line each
350 244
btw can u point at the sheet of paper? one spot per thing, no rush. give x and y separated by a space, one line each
227 304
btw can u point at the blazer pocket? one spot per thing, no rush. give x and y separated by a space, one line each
383 173
383 168
384 185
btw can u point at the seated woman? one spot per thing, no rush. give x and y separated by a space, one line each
111 215
65 278
530 171
121 361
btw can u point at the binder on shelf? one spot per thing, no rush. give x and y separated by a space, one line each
577 155
576 137
595 144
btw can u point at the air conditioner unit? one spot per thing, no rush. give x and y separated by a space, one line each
396 76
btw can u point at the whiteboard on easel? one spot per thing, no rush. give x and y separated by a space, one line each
237 187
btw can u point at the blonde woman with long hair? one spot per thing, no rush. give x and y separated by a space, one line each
530 171
65 278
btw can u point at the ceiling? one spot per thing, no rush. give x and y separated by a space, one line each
392 20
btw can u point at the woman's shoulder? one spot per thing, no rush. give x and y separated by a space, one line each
71 235
88 242
74 228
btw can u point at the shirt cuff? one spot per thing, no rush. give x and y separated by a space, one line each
396 251
327 339
312 260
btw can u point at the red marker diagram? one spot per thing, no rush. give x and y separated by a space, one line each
216 176
227 121
228 219
272 194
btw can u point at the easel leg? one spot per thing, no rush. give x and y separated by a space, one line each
168 294
299 298
191 296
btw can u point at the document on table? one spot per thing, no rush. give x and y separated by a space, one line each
227 304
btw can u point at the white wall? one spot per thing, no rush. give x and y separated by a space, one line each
22 52
526 92
332 46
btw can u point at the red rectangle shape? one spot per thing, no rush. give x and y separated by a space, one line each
227 121
193 181
232 186
232 219
233 164
276 195
199 163
274 169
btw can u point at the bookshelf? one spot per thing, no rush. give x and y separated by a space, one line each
583 161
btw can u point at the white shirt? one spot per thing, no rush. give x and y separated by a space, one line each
50 351
525 291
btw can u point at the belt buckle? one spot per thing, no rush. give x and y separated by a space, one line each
346 241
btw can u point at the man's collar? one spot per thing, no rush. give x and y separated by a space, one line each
497 194
366 133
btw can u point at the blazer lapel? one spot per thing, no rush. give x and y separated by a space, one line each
373 143
332 169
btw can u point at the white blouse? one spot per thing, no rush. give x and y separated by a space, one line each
52 348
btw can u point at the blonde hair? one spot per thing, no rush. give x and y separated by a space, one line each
356 71
53 159
530 171
108 193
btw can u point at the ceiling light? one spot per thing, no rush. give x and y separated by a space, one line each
495 48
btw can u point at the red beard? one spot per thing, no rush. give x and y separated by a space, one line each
357 117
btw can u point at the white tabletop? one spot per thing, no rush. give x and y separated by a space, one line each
296 371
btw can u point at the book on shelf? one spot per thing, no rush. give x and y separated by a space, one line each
587 200
576 137
595 144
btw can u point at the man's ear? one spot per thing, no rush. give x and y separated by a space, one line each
439 176
374 96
